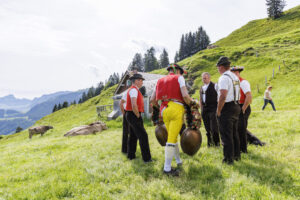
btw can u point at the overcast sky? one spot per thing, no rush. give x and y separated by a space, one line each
56 45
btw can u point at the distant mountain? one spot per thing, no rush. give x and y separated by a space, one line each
45 108
12 103
37 108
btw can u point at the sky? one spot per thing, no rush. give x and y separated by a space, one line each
66 45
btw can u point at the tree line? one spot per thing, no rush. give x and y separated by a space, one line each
149 62
275 8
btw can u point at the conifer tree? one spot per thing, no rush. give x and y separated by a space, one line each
59 106
54 108
18 129
275 8
150 60
164 59
137 62
91 92
99 88
176 58
65 104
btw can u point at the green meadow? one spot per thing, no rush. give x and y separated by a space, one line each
93 167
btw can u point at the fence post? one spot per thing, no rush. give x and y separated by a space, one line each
273 73
257 88
279 68
266 80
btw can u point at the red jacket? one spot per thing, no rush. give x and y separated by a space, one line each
243 96
139 101
168 88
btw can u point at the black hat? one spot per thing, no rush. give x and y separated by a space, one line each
237 68
171 66
136 76
223 61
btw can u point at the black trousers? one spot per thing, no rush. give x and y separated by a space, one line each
242 128
228 124
211 127
125 134
137 132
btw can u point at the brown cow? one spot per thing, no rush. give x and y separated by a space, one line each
92 128
38 130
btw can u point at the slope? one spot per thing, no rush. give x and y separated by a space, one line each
92 167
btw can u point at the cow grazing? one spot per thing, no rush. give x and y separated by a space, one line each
38 130
92 128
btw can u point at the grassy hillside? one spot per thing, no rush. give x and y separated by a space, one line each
92 167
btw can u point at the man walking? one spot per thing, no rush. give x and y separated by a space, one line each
172 91
228 111
134 108
208 104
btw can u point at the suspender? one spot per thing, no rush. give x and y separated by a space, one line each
234 83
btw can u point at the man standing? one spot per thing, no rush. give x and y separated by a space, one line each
125 123
134 108
228 111
245 100
208 104
171 90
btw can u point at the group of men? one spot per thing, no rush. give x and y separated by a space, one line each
225 108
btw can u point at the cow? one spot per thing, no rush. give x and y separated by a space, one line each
38 130
92 128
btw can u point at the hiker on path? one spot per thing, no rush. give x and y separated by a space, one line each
172 91
208 104
228 111
268 98
134 108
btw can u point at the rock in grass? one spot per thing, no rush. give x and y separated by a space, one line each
87 129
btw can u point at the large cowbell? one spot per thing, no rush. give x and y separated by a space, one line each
190 141
161 134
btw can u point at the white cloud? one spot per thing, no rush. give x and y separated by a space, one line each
48 46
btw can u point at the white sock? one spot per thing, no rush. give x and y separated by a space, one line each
177 156
169 154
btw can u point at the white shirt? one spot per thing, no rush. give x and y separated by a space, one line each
204 88
181 81
133 93
245 86
124 97
225 83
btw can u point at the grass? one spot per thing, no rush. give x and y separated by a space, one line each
92 167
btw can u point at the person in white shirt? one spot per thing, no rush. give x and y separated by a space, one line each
268 98
208 104
228 111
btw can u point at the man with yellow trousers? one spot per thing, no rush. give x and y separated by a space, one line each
171 90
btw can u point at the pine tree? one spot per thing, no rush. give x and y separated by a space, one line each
54 108
150 60
275 8
99 88
137 62
65 104
59 106
91 92
18 129
176 58
79 101
84 97
181 53
164 59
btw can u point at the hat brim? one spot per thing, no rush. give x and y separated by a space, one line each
133 78
181 70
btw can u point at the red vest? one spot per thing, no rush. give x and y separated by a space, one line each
242 98
168 88
139 101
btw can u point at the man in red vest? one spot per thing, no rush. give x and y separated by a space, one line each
134 108
245 100
171 90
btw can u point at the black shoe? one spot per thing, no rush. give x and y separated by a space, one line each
173 172
237 158
228 162
131 157
148 161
